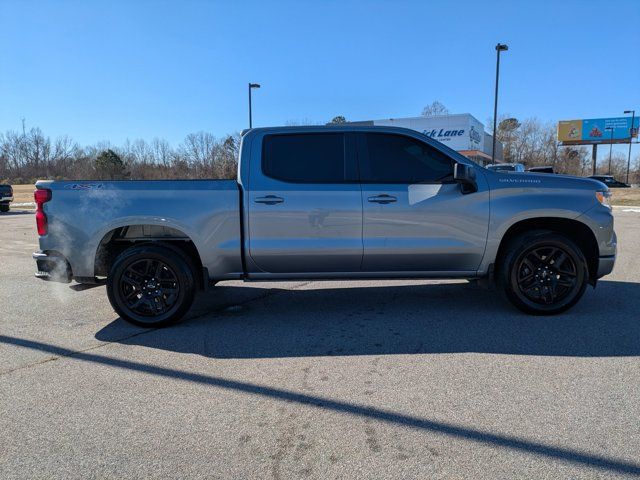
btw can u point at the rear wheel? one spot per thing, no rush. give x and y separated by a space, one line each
4 207
151 286
543 273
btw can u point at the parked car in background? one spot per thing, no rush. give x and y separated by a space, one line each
609 181
541 170
506 167
6 197
328 203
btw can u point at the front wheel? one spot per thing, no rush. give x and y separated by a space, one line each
151 286
543 273
4 207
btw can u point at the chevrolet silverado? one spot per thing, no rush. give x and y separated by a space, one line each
332 202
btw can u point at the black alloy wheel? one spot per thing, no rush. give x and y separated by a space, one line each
543 272
151 285
546 275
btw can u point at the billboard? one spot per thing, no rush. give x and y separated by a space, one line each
596 130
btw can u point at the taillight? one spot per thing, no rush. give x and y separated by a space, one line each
41 196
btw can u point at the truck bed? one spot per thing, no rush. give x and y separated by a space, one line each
82 213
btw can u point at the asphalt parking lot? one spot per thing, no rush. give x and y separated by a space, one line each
394 379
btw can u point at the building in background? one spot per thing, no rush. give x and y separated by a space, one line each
461 132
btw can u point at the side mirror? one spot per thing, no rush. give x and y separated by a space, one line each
465 175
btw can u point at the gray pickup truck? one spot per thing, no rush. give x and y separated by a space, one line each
344 202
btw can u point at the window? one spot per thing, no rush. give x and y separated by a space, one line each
305 158
400 159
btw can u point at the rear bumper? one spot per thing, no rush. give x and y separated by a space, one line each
53 267
605 265
5 199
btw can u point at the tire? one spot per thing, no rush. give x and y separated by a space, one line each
151 285
4 207
543 273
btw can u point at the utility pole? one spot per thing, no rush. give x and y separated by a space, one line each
23 129
610 147
500 47
631 130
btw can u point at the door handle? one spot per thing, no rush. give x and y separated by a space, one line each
384 198
268 200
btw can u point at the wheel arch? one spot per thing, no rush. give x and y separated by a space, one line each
118 239
578 232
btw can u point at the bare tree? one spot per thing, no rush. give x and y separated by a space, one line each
227 157
162 152
436 108
198 150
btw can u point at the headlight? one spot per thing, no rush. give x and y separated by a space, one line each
603 197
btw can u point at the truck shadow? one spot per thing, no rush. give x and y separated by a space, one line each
255 322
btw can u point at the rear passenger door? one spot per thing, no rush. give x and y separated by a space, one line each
305 204
415 217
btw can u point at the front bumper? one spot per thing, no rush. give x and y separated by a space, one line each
53 267
6 199
605 265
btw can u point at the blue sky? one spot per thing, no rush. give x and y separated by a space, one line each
114 70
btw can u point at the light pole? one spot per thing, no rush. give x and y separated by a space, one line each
633 118
251 86
501 47
610 147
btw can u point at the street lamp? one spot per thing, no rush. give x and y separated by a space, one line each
501 47
251 86
610 147
633 118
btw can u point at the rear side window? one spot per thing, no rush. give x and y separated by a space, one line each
393 158
305 158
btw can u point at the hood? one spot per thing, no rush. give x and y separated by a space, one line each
542 180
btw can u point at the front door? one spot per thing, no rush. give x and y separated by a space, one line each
305 205
415 218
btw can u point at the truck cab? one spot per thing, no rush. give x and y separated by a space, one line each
365 202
